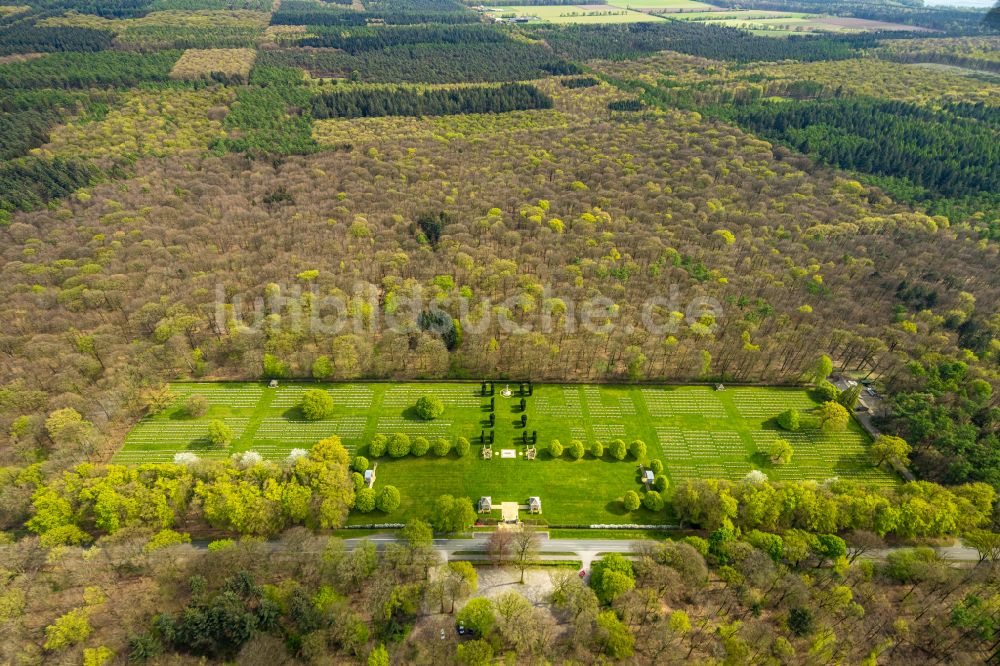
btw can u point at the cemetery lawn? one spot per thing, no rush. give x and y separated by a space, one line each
696 431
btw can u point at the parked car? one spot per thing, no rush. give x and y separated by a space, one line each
461 628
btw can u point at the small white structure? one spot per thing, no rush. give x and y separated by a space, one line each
720 387
485 504
272 384
506 392
508 453
535 504
648 476
369 477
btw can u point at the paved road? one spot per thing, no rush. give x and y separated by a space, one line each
588 550
584 550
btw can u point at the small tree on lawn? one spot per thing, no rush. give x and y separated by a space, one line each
442 447
364 500
316 405
195 406
576 449
388 499
555 448
780 451
893 449
832 416
598 450
661 484
631 500
360 463
219 434
653 501
656 465
617 449
398 445
462 447
789 420
638 449
377 447
429 407
420 446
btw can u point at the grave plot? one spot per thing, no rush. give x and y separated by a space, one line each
307 433
459 396
390 424
178 435
565 404
823 455
605 431
690 401
234 396
349 397
604 407
157 441
704 445
765 403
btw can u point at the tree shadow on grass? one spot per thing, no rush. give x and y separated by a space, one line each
772 424
294 414
200 444
851 463
616 508
410 414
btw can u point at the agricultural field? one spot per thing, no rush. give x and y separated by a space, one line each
696 431
577 14
664 6
768 22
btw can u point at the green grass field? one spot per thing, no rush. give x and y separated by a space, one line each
664 5
697 433
592 14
